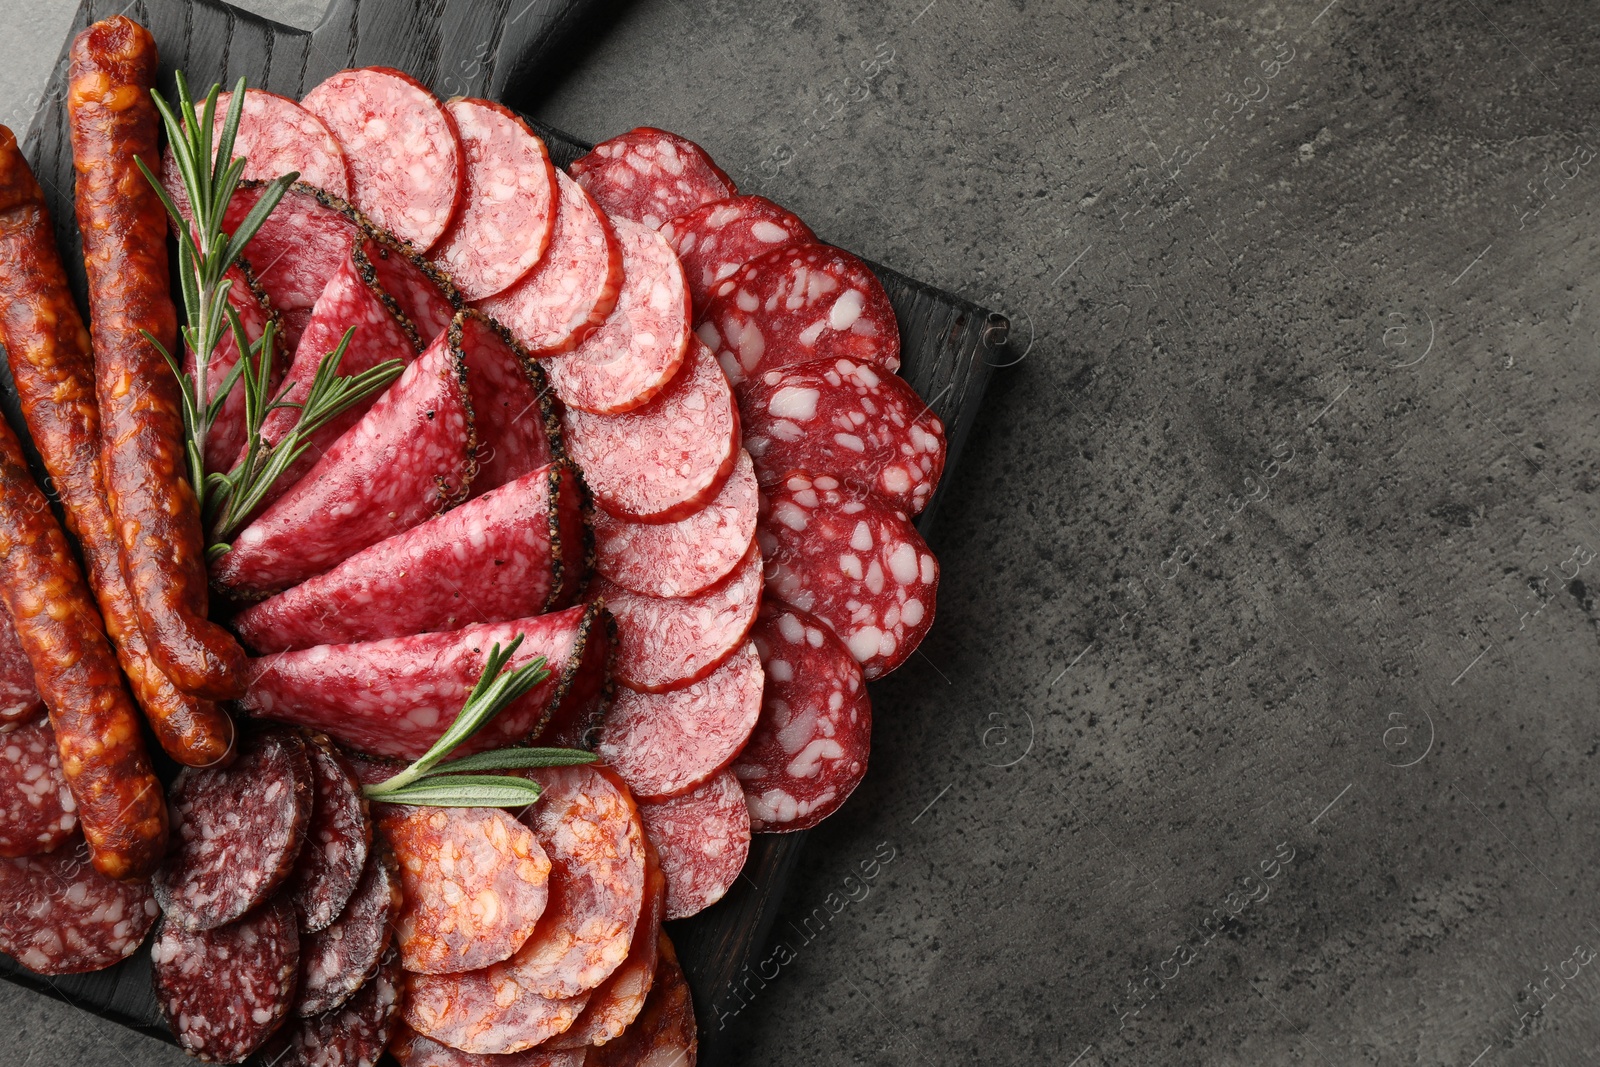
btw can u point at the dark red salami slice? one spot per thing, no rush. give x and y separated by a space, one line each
298 249
649 176
810 748
640 347
718 238
19 694
224 991
667 743
853 420
703 837
407 170
37 812
474 883
396 696
58 915
277 135
797 304
854 562
664 1033
335 961
682 558
408 458
494 558
511 408
553 307
238 831
666 643
335 851
353 1035
510 206
228 431
423 296
414 1050
662 462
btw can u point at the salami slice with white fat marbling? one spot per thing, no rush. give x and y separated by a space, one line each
424 296
638 349
512 411
509 208
336 844
796 304
664 1034
649 176
412 1049
703 837
19 693
664 461
37 812
718 238
810 747
352 1035
335 961
276 135
854 562
58 915
299 247
407 169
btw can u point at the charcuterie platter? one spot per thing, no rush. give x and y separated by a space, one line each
495 533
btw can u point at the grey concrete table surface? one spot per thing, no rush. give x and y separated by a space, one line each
1258 725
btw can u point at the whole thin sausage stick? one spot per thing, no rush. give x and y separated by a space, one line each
157 517
119 798
48 349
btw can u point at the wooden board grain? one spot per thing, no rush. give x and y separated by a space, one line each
949 348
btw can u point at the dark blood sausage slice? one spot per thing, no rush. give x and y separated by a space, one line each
684 557
511 407
510 204
37 812
703 837
334 962
553 307
665 1032
408 458
407 170
58 915
396 696
336 844
810 747
649 176
423 295
411 1049
277 135
298 249
666 643
224 991
350 1036
228 431
854 562
718 238
640 347
667 743
19 696
124 226
797 304
853 420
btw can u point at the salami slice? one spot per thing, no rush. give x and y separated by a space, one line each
224 991
277 135
487 1015
510 206
667 743
335 961
640 347
810 748
665 1032
849 419
238 831
496 557
796 304
679 559
58 915
395 697
575 723
855 563
511 408
336 845
649 176
19 695
407 170
353 1035
423 296
228 430
552 308
718 238
703 837
408 458
37 812
411 1049
666 643
297 250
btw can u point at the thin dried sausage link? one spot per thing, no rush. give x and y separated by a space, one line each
113 121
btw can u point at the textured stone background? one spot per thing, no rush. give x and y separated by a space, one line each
1266 574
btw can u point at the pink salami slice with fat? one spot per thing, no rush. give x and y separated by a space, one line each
511 407
649 176
37 812
718 238
297 250
276 135
423 296
19 693
58 915
703 837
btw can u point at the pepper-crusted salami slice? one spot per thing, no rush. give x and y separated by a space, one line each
424 297
640 347
796 304
474 883
667 743
703 837
407 170
649 176
239 831
718 238
665 1032
395 697
852 561
58 915
509 209
297 250
665 643
335 961
277 135
849 419
228 431
353 1035
37 812
224 991
19 696
810 747
682 558
408 458
414 1050
336 843
511 408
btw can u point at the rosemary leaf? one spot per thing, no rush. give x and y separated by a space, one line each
465 791
508 759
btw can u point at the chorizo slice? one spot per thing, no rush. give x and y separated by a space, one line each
665 1031
412 1049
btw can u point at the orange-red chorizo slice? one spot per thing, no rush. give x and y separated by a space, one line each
414 1050
664 1032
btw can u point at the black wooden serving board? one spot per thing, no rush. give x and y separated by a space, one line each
484 48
